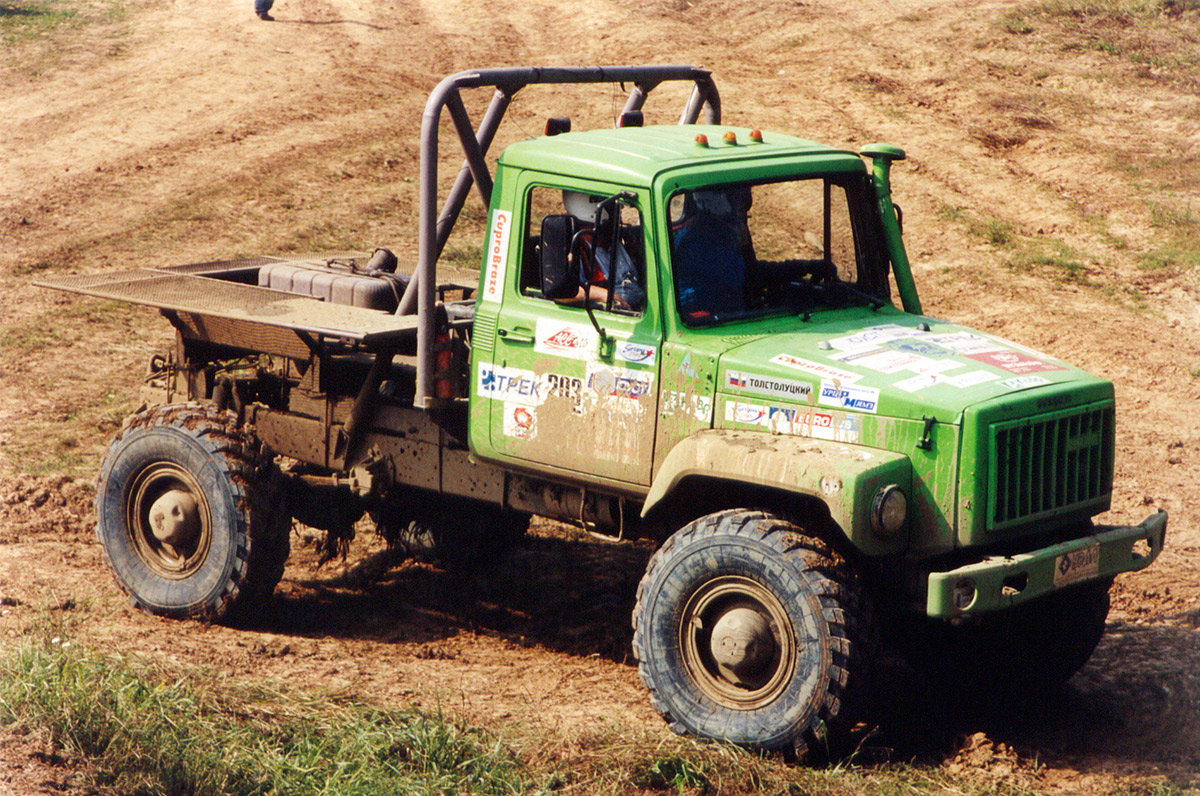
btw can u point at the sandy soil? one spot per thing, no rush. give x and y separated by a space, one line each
108 144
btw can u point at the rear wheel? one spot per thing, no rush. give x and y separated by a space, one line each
748 631
189 513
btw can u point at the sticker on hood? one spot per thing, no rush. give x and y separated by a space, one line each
768 385
816 368
1015 362
849 396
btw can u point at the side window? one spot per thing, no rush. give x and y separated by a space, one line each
583 248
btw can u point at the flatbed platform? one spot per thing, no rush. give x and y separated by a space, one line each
225 290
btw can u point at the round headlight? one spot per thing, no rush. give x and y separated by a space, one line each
889 510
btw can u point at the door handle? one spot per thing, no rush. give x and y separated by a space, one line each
517 334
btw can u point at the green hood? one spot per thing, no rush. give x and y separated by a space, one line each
888 364
971 411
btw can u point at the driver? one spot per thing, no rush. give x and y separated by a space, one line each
710 252
596 258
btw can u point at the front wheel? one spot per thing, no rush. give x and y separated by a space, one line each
189 513
748 631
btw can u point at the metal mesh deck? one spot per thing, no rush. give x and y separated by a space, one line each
225 266
178 290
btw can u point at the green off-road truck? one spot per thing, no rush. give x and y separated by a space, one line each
682 332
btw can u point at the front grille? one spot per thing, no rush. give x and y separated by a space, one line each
1049 464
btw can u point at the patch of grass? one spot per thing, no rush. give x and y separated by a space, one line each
1154 34
955 213
995 232
145 730
675 772
58 456
21 21
1050 256
28 337
992 231
1181 227
156 729
32 269
71 442
77 320
1118 8
1053 257
31 29
1016 24
460 256
1169 258
1177 221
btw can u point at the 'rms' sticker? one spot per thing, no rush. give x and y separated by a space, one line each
497 256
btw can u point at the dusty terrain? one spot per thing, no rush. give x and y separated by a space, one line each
1050 182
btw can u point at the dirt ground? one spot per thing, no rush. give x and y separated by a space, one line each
182 132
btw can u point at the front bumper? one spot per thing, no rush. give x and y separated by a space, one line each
1000 582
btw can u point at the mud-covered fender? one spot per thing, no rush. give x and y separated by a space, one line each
846 478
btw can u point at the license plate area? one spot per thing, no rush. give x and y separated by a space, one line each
1076 566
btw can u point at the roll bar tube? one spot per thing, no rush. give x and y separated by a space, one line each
435 229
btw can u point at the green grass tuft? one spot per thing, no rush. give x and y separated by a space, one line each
147 731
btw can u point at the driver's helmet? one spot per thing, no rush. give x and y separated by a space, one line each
721 202
714 203
581 205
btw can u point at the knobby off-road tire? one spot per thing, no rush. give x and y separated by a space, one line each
748 631
190 513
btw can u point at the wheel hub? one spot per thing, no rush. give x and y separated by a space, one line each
168 519
741 644
175 519
737 642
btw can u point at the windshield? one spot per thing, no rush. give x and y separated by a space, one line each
796 246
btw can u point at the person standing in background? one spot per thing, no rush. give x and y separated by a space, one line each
263 9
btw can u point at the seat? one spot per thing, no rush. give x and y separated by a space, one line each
559 278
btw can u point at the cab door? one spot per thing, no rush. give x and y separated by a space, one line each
563 394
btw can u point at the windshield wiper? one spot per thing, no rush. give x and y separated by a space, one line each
874 301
